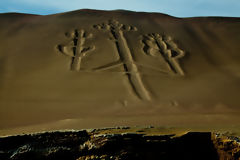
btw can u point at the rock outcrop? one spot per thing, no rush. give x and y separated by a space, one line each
97 144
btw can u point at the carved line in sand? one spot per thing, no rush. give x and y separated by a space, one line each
156 45
75 48
117 35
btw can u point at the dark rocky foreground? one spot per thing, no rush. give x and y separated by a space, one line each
95 144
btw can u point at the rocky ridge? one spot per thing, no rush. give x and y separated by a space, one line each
119 143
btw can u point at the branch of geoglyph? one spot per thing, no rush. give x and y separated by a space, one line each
151 42
82 38
86 50
155 41
108 66
174 47
115 25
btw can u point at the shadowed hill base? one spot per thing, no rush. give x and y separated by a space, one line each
120 143
107 144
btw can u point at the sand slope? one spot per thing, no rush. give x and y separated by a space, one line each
88 68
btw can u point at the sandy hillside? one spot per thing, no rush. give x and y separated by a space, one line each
91 69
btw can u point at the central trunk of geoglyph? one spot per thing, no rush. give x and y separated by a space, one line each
129 66
76 63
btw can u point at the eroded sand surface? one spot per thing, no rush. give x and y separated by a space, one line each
91 69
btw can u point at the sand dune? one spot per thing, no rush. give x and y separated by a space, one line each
110 68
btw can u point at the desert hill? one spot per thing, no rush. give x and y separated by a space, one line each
91 69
